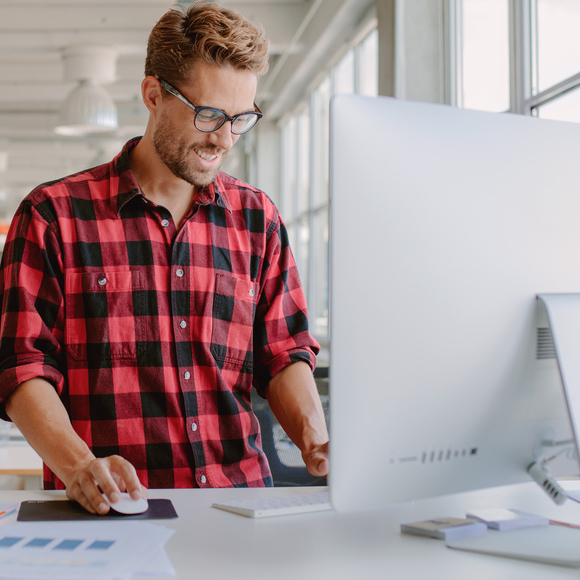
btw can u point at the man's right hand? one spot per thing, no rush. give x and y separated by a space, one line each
38 412
109 476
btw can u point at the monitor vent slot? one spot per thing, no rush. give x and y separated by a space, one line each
439 455
448 454
545 348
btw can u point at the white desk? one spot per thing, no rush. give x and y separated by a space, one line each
210 543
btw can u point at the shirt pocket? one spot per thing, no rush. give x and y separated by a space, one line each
234 308
105 315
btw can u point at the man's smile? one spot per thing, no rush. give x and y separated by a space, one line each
206 156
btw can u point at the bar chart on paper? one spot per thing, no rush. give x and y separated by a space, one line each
81 550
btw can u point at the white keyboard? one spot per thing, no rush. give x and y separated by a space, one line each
282 505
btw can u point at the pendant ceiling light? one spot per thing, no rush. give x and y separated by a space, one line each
89 108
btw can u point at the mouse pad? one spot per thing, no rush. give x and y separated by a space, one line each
55 510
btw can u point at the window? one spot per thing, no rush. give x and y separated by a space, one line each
368 66
521 56
555 59
556 50
564 108
483 55
305 186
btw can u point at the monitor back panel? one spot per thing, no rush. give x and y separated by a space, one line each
445 225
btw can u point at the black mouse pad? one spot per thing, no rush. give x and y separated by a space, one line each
55 510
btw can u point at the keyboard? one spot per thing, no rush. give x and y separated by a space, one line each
282 505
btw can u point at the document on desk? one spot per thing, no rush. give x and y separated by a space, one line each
92 551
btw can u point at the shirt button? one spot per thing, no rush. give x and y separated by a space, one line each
194 426
183 324
179 272
186 375
251 292
164 223
102 281
203 479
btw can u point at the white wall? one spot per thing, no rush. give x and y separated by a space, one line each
412 50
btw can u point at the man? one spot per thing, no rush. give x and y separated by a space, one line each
143 298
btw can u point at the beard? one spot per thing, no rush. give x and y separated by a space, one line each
180 157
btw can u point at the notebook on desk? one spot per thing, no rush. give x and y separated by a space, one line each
549 545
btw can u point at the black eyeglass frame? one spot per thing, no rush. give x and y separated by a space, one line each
256 112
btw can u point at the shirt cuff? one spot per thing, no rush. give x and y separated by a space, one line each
12 377
284 359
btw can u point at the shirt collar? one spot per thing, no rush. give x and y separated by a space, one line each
124 186
214 193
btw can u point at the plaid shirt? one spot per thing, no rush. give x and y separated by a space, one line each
153 337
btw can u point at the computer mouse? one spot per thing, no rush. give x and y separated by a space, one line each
126 505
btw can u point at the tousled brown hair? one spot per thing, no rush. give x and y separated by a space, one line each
209 32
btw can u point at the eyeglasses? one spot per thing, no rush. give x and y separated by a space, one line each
208 119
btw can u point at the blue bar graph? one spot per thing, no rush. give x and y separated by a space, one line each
101 545
68 545
8 541
38 543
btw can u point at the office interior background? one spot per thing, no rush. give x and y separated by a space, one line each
519 56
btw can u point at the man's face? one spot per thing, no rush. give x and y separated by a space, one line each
192 155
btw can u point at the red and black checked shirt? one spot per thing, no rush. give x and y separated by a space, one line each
153 337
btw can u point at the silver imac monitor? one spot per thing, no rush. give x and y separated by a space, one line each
446 225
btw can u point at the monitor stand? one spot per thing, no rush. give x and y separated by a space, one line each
563 311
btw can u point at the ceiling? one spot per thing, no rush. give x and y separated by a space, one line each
33 34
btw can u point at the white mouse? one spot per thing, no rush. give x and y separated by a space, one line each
126 505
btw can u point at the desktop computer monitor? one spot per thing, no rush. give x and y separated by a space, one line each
446 224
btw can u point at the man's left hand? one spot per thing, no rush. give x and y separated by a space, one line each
316 460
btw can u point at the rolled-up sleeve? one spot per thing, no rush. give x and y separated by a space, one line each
32 318
281 335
